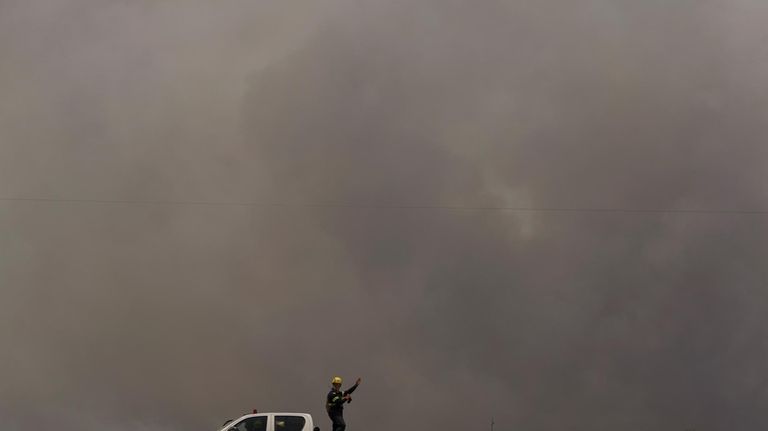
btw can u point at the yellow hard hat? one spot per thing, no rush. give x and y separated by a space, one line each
336 380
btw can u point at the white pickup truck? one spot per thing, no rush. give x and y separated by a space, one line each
272 422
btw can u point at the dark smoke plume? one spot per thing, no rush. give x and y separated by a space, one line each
373 137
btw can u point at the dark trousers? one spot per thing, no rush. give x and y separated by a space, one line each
338 421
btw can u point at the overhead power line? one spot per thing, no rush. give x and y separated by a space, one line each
354 205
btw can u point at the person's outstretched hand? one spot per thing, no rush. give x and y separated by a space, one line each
357 382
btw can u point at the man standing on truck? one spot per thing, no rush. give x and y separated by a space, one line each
335 403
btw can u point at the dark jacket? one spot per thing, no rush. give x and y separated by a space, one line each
335 400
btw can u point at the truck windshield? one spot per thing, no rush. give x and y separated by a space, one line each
258 423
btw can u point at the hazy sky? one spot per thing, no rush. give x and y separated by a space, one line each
132 301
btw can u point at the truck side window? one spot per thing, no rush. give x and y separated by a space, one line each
258 423
289 423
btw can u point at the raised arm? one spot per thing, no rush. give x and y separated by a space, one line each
352 389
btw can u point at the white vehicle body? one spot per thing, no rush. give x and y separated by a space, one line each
272 422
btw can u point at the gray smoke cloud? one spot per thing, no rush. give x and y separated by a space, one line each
352 124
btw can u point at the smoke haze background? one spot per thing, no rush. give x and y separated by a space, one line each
139 316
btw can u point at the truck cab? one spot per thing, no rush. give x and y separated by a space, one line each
272 422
